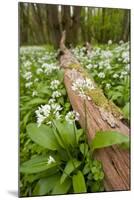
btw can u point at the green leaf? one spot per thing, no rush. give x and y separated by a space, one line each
84 148
35 101
43 136
60 75
37 164
86 169
44 186
79 184
108 138
45 90
67 132
62 188
126 110
26 118
70 167
43 174
79 134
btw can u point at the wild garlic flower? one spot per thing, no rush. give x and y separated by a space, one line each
27 63
81 86
49 68
108 85
115 76
121 42
46 113
125 56
109 42
51 101
101 75
89 66
35 93
27 75
54 84
39 70
56 94
50 160
72 116
28 85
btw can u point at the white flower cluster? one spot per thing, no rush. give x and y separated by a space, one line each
49 68
54 84
72 116
106 54
46 113
28 85
115 76
108 85
101 75
125 56
34 93
27 75
56 94
82 86
50 160
110 42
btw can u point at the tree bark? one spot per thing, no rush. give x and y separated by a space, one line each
116 161
53 25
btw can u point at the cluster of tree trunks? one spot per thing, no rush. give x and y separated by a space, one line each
116 161
43 23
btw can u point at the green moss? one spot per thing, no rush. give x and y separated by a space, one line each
100 100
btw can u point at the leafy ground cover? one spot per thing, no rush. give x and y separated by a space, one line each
54 153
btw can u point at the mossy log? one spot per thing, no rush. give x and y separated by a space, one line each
101 114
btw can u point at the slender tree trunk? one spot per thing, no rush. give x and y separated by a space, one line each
66 23
76 24
126 25
53 24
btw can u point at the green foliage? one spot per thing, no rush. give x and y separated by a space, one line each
43 136
109 65
69 168
62 188
126 110
79 184
108 138
44 186
37 164
55 156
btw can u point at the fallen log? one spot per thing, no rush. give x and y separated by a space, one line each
101 114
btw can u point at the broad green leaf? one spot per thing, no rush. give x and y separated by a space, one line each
79 184
43 174
43 136
45 185
45 89
62 188
107 138
66 132
69 168
84 148
35 101
37 164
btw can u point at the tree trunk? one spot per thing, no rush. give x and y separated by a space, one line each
66 23
126 25
115 160
76 24
53 24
